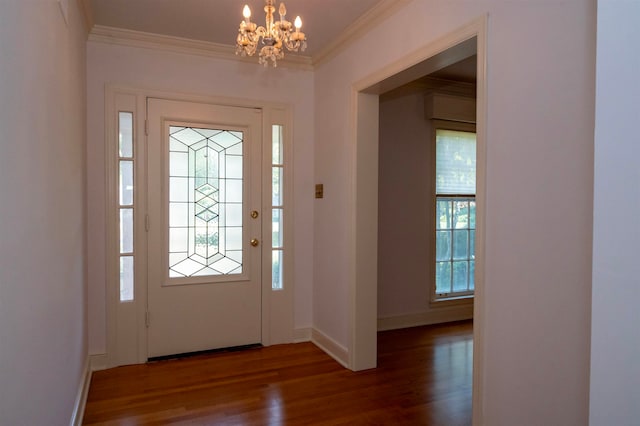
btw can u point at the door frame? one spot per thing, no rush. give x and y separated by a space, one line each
363 280
126 322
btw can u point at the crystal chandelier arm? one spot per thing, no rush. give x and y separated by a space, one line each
295 40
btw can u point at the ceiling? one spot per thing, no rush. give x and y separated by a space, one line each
463 71
323 21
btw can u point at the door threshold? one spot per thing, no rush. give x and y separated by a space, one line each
205 352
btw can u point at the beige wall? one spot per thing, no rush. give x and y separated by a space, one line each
42 222
404 207
539 176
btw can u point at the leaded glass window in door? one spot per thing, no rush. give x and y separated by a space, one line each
205 201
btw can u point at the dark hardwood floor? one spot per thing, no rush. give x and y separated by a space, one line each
423 378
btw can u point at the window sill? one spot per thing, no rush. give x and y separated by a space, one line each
442 302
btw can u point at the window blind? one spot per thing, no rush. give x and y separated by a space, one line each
455 162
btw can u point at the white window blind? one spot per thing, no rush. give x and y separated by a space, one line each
455 162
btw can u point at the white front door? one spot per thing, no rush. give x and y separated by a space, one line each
204 239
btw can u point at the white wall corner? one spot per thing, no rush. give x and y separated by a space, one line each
370 19
87 13
98 362
302 335
83 392
334 349
64 9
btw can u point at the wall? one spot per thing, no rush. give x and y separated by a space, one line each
146 68
42 230
615 375
404 206
539 177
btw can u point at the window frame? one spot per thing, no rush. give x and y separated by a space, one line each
456 297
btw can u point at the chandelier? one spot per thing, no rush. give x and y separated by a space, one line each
276 35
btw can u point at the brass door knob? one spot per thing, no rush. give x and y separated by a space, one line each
254 214
255 242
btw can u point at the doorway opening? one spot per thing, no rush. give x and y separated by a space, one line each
459 46
426 199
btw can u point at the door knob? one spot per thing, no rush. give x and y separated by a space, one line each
254 214
255 242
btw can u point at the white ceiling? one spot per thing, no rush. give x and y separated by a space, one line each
217 20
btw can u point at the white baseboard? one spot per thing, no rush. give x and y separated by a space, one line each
331 347
81 398
98 362
434 316
302 335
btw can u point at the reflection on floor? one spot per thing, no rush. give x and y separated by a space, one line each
423 378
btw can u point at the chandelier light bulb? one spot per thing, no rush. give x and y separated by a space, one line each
298 23
246 12
282 11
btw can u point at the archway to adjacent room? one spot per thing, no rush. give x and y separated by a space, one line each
456 46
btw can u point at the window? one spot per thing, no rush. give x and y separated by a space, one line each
277 207
205 201
125 204
455 213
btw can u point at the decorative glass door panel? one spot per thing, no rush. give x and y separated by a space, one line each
205 202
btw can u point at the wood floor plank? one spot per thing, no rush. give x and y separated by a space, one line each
423 378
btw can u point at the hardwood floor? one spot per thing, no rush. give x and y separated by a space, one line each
423 378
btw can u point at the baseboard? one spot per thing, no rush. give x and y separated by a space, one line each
302 335
98 362
81 398
331 347
434 316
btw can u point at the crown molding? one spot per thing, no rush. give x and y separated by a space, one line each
359 28
124 37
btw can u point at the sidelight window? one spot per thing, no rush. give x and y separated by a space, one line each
125 203
277 208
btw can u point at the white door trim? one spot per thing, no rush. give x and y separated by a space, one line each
126 330
363 242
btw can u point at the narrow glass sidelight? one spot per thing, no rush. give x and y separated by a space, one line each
126 162
126 278
205 202
277 207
